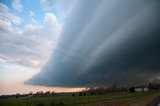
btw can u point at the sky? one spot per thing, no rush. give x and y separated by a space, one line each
29 30
69 45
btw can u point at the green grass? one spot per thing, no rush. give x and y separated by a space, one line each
70 100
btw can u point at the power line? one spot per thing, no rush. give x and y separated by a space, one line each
56 50
38 34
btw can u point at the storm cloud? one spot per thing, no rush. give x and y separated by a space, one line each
105 42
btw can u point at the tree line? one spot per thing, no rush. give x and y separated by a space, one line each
89 91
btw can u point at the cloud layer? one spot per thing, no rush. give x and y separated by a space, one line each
22 45
104 43
17 5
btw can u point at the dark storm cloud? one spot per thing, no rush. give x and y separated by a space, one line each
106 42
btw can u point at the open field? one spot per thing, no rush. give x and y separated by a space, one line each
118 99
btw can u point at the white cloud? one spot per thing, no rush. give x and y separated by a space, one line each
3 7
4 13
51 25
16 4
48 3
31 13
63 6
5 25
24 47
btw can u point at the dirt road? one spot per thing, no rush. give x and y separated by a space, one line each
155 103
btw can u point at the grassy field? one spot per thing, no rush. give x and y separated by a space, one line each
128 98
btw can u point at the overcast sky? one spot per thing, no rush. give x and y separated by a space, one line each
79 43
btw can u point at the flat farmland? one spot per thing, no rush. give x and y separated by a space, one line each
108 99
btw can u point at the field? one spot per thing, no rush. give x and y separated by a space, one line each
124 99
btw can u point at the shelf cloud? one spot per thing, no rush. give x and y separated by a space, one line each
105 42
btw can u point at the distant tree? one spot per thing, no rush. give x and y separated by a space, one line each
39 94
17 95
114 87
91 90
80 94
30 93
47 93
131 90
52 93
73 94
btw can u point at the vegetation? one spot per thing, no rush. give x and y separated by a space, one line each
92 95
71 100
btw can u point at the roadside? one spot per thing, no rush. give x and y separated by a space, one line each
155 102
149 100
118 102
